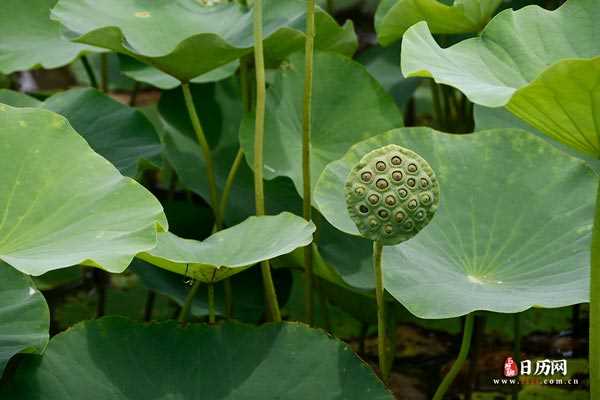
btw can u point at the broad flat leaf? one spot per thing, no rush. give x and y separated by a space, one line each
394 17
116 359
18 99
63 204
30 39
496 118
145 73
231 250
24 316
119 133
247 287
195 38
344 111
220 111
507 235
542 65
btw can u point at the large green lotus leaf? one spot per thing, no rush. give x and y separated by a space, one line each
24 316
394 17
62 204
344 111
141 72
496 118
119 133
114 358
507 235
231 250
529 61
220 111
195 38
30 39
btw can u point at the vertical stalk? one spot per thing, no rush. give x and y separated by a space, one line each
306 134
187 306
149 306
89 71
104 71
379 295
594 356
437 105
458 364
259 131
211 303
210 172
134 94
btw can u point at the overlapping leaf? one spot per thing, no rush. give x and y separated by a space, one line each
543 65
119 133
394 17
24 316
230 251
30 39
195 38
62 203
344 111
513 227
111 357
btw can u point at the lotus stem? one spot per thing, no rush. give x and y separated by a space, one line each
306 136
149 305
211 303
259 131
134 94
187 305
379 295
210 172
460 361
104 71
594 351
89 71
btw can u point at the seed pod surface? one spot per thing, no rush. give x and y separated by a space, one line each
404 182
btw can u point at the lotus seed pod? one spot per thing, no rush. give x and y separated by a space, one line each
399 196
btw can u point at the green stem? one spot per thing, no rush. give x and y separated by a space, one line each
149 306
458 364
594 355
134 94
237 162
187 306
259 61
89 71
211 303
306 135
379 295
210 172
104 71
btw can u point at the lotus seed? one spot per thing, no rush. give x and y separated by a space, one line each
407 208
397 176
382 184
